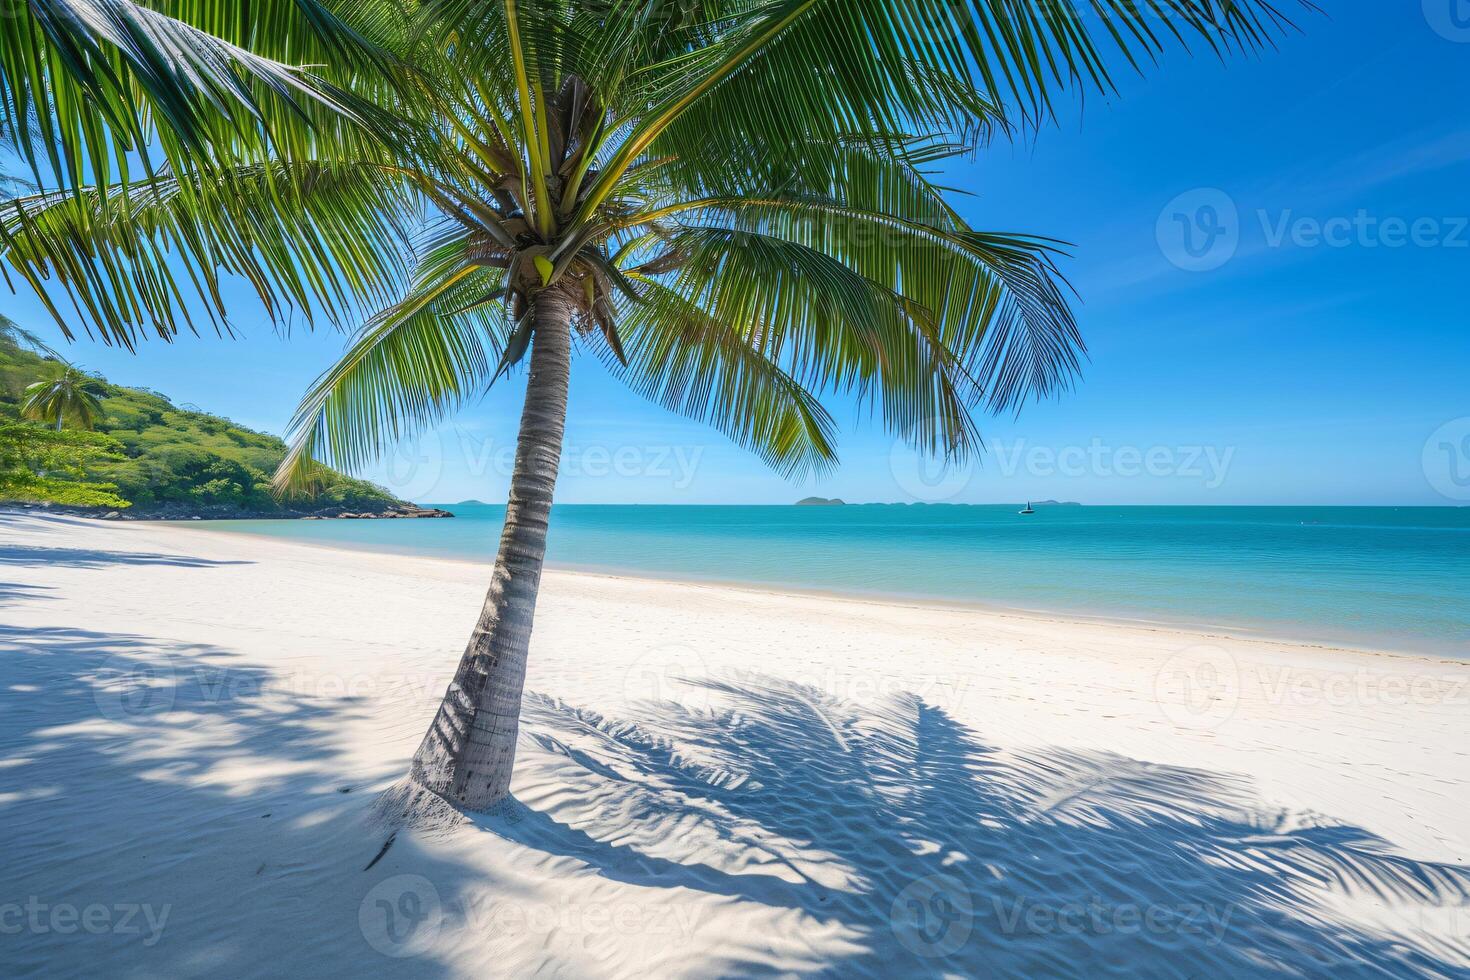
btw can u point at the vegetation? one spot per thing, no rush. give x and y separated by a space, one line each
71 396
147 453
729 201
43 464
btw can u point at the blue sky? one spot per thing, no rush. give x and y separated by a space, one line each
1272 257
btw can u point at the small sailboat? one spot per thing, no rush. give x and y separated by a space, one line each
1028 509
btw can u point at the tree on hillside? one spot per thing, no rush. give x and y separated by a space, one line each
72 396
43 465
730 202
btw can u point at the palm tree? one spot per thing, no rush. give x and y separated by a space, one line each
13 333
72 395
729 201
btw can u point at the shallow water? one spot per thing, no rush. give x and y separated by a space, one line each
1395 578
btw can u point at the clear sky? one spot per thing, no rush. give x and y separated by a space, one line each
1272 257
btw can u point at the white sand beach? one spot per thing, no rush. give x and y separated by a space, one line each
712 782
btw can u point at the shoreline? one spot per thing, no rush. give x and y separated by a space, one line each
1200 629
204 720
167 515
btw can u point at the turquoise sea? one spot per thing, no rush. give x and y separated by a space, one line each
1394 578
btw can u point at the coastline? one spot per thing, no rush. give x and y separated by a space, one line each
1185 627
175 515
766 773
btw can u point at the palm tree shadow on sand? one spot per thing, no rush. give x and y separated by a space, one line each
884 839
933 854
109 743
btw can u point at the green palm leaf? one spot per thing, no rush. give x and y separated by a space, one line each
784 73
752 157
310 236
996 299
86 83
831 328
688 361
409 366
73 396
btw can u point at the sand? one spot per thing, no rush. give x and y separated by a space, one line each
712 781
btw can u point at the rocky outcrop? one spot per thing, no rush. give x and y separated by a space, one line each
399 512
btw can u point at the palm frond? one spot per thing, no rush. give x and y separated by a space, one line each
997 300
733 195
686 360
21 337
831 328
309 237
783 73
85 81
408 366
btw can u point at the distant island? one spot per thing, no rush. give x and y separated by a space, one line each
835 502
470 503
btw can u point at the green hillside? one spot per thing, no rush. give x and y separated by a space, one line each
170 461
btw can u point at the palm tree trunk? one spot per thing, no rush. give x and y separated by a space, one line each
467 754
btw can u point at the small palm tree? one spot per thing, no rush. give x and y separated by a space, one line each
73 396
730 202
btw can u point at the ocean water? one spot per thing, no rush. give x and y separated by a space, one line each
1382 577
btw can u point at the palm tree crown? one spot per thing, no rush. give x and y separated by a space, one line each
728 201
73 396
733 193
